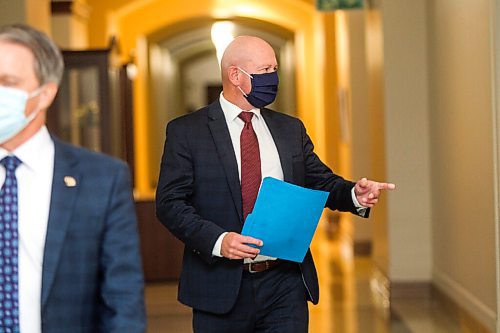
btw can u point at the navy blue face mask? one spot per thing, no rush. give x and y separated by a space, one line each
264 89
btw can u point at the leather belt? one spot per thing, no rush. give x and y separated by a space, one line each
260 266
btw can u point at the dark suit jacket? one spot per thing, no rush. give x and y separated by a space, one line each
92 276
199 197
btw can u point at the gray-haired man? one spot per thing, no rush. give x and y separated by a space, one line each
69 253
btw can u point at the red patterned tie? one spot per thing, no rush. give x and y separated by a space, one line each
250 164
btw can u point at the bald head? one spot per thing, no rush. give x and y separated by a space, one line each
250 54
247 52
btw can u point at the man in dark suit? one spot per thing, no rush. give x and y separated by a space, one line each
213 162
69 249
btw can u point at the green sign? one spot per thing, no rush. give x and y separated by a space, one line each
338 4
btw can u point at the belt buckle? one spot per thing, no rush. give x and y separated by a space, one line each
250 270
265 262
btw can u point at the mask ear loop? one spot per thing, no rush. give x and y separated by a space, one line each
35 92
242 91
32 94
249 75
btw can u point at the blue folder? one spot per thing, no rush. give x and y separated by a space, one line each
285 217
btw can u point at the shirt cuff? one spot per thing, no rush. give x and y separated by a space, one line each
359 208
218 245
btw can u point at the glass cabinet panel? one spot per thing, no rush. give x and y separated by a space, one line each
81 112
79 95
93 107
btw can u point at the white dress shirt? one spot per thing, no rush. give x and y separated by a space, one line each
34 181
270 160
269 157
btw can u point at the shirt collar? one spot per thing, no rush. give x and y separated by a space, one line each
231 111
31 152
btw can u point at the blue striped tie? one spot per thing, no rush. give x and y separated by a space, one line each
9 301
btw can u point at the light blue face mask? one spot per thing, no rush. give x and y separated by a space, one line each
12 105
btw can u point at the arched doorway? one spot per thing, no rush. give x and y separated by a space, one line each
142 27
185 74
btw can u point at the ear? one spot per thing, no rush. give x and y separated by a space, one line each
48 94
233 74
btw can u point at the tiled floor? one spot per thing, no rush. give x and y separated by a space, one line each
347 303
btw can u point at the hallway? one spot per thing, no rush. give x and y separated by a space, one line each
347 303
400 91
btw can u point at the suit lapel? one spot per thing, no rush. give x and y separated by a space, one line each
225 150
282 141
65 186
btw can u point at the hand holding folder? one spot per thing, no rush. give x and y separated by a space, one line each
285 217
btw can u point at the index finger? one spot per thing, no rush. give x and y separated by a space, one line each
251 240
386 186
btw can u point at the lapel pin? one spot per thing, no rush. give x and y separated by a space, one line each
70 181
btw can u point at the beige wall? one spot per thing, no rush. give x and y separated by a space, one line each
396 45
33 12
462 153
69 31
407 140
375 68
495 14
354 108
430 90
